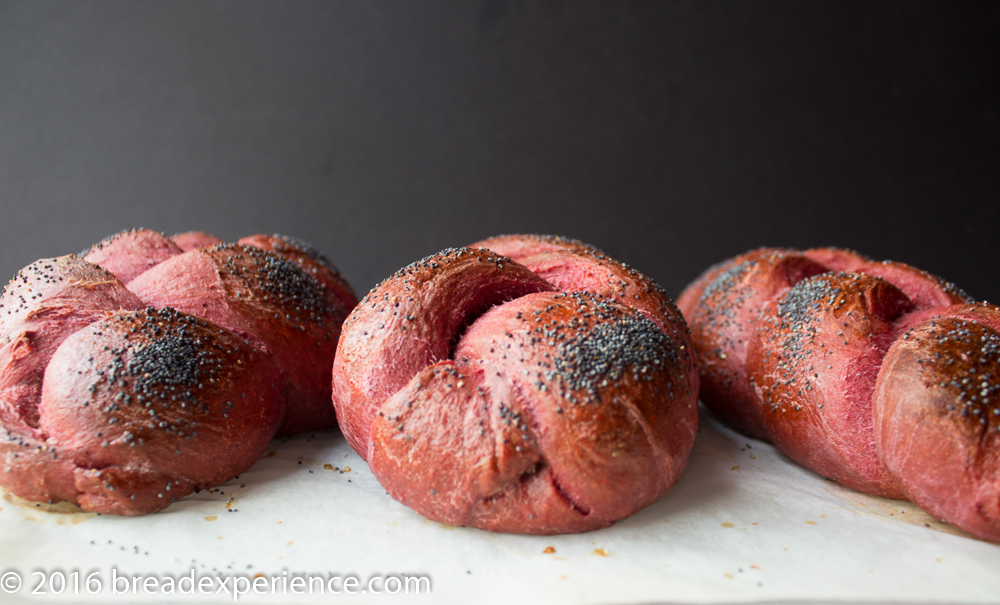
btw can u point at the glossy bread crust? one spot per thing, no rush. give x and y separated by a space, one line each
813 362
848 378
42 306
937 416
723 323
412 320
269 300
310 260
150 405
122 398
484 395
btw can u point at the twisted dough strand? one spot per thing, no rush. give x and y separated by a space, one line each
875 374
125 387
482 394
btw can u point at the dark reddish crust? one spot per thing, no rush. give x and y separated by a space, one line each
269 300
589 271
813 362
812 358
310 260
41 306
123 434
688 299
521 246
579 267
940 385
553 412
70 431
723 322
129 253
724 304
189 240
925 290
837 259
410 321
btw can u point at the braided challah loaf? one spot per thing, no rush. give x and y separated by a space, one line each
875 374
548 391
136 372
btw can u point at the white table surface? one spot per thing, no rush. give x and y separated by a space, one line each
744 524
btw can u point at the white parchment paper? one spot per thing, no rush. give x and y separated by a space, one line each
744 524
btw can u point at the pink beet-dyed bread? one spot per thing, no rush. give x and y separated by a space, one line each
813 360
860 371
150 405
269 300
124 397
129 253
723 323
310 260
484 395
521 246
937 415
189 240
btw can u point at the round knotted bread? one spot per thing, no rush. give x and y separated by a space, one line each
556 394
126 385
875 374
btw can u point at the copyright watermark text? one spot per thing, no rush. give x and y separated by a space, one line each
115 582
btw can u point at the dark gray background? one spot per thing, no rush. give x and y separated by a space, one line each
671 134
